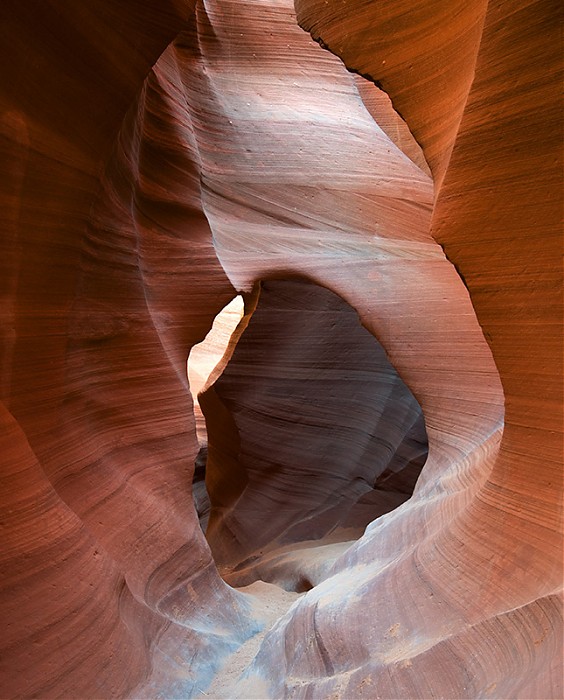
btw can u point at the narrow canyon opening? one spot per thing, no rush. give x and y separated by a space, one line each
205 356
311 434
159 156
202 361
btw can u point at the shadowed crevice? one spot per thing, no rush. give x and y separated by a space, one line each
311 430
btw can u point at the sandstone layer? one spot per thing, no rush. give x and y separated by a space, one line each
158 159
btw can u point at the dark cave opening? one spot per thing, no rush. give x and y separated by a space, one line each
311 432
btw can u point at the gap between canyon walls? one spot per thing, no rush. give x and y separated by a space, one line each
205 363
312 434
221 161
248 154
297 179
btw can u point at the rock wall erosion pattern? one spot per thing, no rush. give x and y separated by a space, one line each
484 219
100 540
423 55
158 158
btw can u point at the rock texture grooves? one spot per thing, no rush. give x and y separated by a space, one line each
159 157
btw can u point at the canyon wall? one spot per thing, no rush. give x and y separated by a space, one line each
158 158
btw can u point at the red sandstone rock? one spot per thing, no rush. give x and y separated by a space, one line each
102 550
136 200
423 55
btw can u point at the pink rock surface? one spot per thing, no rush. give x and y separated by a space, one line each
157 158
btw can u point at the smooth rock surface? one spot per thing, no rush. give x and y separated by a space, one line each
159 158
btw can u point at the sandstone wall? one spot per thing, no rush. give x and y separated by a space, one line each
159 157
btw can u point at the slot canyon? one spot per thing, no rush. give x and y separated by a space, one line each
348 483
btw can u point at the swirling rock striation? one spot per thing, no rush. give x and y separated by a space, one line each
158 158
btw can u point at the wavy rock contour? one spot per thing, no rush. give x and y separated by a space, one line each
158 158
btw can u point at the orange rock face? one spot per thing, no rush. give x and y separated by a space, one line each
159 158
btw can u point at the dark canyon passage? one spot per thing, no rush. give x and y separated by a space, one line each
310 427
156 158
